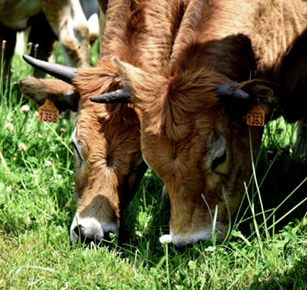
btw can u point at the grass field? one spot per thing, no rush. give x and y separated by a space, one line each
266 249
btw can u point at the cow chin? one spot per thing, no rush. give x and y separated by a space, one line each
181 241
90 230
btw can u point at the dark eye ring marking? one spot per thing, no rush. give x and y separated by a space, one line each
217 161
76 149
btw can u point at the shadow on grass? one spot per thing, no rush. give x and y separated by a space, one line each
283 178
295 278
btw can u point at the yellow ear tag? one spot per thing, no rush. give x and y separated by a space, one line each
48 112
130 105
255 116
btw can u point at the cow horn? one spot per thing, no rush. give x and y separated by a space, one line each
119 96
64 73
228 91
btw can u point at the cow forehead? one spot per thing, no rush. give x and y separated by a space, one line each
110 138
185 160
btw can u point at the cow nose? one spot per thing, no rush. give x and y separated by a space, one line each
86 236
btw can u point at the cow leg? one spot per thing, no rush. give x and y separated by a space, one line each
90 9
6 52
41 34
300 146
68 22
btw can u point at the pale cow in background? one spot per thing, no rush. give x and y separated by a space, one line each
106 140
49 20
91 11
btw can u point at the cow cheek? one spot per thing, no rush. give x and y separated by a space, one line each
81 181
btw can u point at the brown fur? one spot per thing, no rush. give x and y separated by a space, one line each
109 134
108 159
185 127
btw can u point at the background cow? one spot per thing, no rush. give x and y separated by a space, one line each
106 141
194 133
90 9
49 20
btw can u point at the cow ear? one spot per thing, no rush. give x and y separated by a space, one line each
63 95
267 94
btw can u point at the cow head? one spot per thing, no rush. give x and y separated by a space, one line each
106 143
195 137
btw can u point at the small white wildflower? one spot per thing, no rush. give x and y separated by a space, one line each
9 127
48 164
37 136
22 147
165 239
8 189
25 108
192 265
36 114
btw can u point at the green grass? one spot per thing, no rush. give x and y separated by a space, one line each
35 251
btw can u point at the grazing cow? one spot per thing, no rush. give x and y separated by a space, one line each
106 140
193 132
59 19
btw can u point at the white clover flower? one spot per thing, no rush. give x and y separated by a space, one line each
48 164
9 127
22 147
165 239
37 136
25 108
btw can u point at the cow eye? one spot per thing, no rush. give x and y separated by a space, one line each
217 161
76 150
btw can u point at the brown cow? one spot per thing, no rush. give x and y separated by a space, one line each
193 132
59 19
106 141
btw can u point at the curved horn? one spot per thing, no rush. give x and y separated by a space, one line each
64 73
232 92
119 96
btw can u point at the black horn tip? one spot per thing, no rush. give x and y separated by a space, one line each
26 57
64 73
230 91
119 96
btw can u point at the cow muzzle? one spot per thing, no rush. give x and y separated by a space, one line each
90 230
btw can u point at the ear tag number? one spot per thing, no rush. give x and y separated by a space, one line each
255 116
48 112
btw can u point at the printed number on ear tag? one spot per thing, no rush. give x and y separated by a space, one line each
255 116
130 105
48 112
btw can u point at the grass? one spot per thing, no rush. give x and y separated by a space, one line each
35 251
